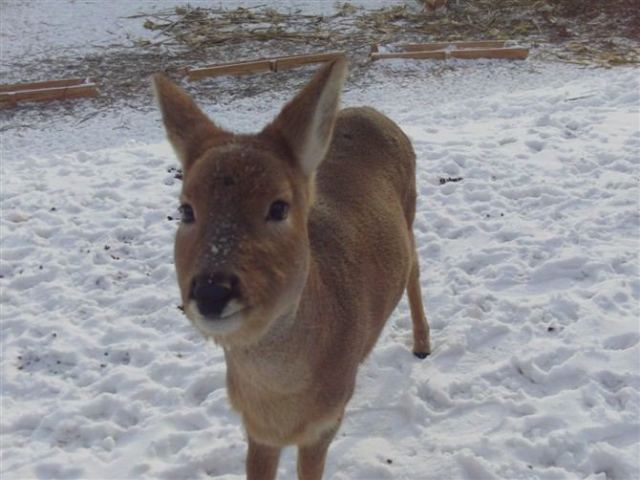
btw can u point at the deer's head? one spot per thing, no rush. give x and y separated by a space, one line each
242 249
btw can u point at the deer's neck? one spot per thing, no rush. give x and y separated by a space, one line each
283 358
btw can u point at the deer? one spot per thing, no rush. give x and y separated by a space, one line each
294 247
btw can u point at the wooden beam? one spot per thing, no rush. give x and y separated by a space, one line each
433 55
236 68
420 47
513 53
286 63
274 64
34 92
67 82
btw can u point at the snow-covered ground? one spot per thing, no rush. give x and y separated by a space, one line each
530 279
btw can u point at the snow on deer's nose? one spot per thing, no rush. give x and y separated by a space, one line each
221 238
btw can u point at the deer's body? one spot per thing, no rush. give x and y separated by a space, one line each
303 375
292 365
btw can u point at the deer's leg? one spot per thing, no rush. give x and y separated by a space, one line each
311 457
421 340
262 461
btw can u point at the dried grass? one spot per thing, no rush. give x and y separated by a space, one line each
604 33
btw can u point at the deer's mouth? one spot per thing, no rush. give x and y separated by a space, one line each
226 322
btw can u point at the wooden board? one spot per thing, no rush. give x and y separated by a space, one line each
39 85
513 53
420 47
64 89
237 68
274 64
433 55
286 63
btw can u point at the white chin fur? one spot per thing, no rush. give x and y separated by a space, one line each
230 321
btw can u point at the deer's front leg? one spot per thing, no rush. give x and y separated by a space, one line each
311 457
262 461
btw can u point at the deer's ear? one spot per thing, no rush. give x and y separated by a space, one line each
307 121
189 130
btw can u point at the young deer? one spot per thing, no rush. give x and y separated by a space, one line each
295 246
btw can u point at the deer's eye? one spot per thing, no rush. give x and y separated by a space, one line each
278 211
186 213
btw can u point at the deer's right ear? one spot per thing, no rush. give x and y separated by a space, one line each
190 131
307 121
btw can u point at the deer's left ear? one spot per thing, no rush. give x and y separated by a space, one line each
190 131
307 121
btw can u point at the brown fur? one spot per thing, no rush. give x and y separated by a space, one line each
319 286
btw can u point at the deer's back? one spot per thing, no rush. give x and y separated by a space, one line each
368 153
359 225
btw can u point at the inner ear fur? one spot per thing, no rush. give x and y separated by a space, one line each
306 122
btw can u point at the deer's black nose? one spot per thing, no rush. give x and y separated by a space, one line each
212 293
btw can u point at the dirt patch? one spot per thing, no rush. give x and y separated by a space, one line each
602 33
592 33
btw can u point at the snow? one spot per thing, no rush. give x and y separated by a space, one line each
530 280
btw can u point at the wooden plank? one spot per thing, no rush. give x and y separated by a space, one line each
260 66
235 68
421 47
512 53
285 63
46 94
433 55
67 82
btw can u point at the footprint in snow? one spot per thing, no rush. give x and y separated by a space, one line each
621 342
535 145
